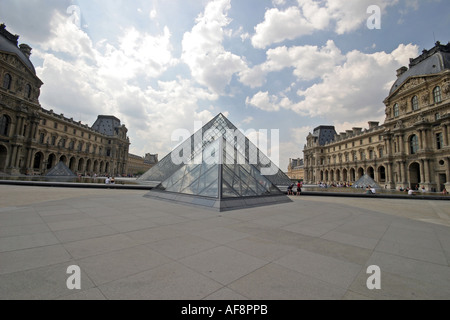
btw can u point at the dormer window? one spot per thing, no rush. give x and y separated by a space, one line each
415 103
28 91
396 110
7 80
437 94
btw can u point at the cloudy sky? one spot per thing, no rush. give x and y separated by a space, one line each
160 65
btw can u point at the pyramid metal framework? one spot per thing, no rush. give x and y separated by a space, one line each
218 172
60 170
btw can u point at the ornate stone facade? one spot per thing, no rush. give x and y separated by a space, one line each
296 170
410 149
139 165
33 140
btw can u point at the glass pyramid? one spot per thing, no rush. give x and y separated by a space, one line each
60 170
221 171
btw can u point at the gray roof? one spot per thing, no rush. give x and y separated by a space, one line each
325 134
8 44
106 125
430 62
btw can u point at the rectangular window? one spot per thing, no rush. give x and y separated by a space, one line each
381 153
74 131
65 128
42 138
55 125
439 141
53 140
44 122
370 140
437 116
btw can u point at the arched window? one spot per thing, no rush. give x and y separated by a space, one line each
7 80
28 91
415 103
414 144
5 123
437 94
396 110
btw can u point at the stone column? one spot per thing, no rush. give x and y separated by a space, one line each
19 126
28 162
421 146
403 170
16 162
402 144
13 157
422 171
427 171
446 136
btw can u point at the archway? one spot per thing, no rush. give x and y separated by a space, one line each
38 157
102 167
382 174
51 162
332 175
72 164
3 158
371 172
88 165
414 174
80 165
360 173
338 175
321 176
96 166
345 175
63 159
326 176
107 168
352 175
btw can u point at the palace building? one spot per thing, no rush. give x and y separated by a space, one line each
410 149
34 140
296 169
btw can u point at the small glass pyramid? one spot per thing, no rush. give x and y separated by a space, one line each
221 171
60 170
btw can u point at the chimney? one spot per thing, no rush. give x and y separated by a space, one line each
26 49
357 131
343 135
373 124
401 71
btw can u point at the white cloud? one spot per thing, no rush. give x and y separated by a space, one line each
353 89
109 82
309 63
289 24
309 16
210 64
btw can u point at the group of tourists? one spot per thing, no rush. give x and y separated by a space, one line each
297 192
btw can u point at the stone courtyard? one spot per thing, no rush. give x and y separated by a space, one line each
131 247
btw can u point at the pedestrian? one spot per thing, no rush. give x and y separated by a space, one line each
299 188
108 180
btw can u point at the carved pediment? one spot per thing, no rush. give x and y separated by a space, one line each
411 84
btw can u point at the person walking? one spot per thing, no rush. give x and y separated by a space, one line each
299 188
